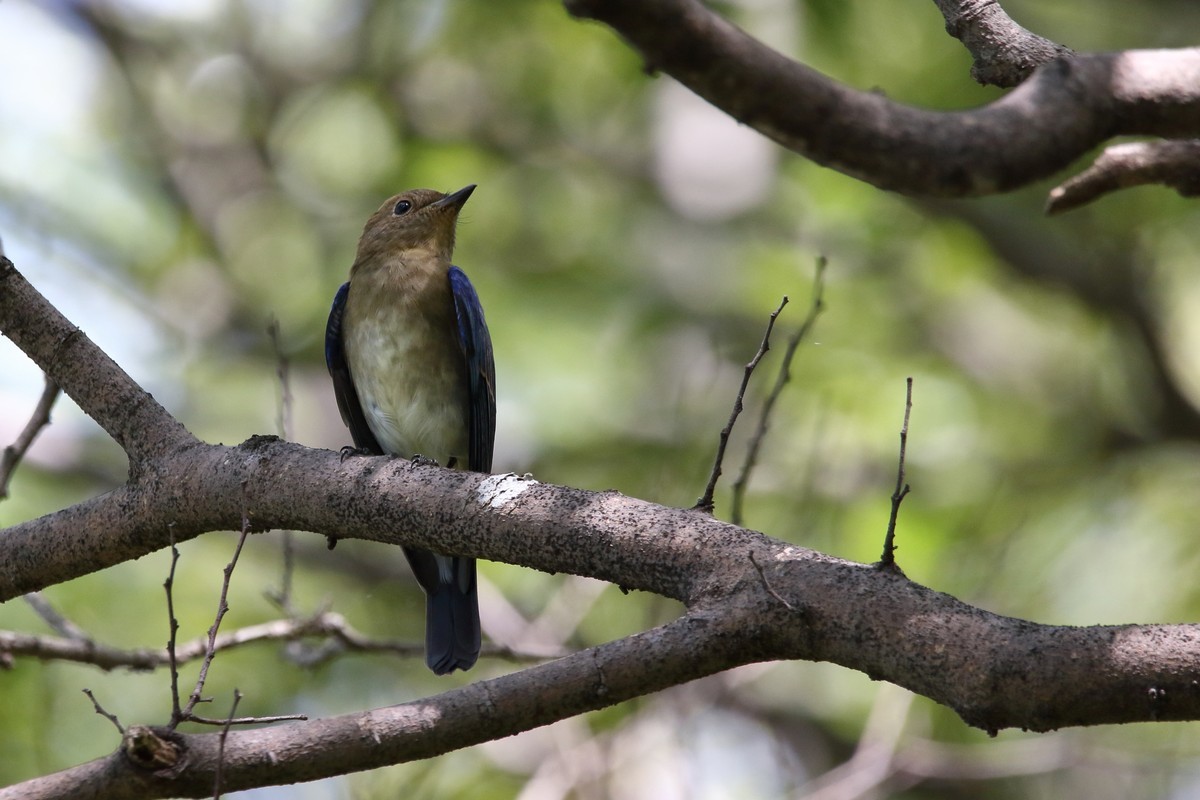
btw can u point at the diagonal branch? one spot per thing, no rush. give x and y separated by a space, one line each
1063 110
705 503
782 377
1171 163
16 451
125 411
691 647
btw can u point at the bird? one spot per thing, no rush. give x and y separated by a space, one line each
411 361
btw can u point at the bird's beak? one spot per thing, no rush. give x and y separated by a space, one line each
455 200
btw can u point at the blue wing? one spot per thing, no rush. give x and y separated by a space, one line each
343 382
476 345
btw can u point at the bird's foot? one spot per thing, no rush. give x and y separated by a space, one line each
419 460
349 451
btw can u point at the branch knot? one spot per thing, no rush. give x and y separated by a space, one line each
157 750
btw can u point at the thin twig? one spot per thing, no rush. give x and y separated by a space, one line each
283 425
283 416
57 622
705 503
16 451
889 541
767 584
814 310
282 597
222 607
237 698
199 720
100 710
339 637
173 627
874 762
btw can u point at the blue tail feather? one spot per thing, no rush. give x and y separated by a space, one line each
452 635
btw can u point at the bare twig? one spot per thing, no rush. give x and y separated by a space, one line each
222 607
282 597
283 425
237 698
57 622
781 380
221 721
873 763
889 541
705 503
283 416
767 584
100 710
339 635
173 628
210 652
1170 163
39 419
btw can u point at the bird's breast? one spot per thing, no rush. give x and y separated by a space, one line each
409 374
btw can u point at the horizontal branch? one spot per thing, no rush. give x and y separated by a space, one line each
802 605
1066 108
749 598
155 763
340 635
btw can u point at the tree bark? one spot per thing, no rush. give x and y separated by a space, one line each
1065 108
748 597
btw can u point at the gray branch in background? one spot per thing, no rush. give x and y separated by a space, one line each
1064 109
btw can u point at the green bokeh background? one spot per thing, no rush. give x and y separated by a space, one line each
176 175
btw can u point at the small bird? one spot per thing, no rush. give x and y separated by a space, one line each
411 360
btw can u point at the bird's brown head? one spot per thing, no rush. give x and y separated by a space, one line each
418 223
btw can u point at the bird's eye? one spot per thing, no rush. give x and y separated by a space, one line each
402 207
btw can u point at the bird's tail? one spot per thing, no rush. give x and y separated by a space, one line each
452 634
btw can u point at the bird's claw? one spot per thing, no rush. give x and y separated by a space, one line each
349 451
419 460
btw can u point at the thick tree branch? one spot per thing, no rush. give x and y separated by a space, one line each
973 661
157 763
1063 110
1005 53
70 359
750 598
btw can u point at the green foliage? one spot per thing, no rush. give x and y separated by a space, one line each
218 173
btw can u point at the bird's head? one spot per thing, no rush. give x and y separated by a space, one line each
419 223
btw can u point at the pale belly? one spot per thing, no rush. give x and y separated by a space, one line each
411 393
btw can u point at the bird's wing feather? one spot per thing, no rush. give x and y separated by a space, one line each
343 383
476 345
